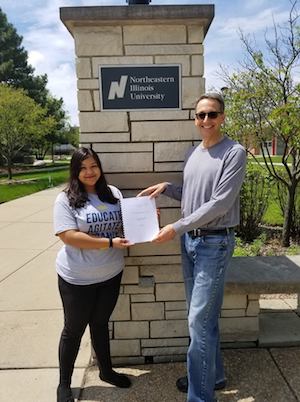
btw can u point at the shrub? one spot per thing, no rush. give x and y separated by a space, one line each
253 249
254 198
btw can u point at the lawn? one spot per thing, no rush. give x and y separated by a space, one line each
273 215
40 179
29 183
275 159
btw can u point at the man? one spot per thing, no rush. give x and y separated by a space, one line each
212 178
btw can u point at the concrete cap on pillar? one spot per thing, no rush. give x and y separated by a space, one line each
138 2
79 16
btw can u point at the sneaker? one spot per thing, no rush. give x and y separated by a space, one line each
182 384
220 385
64 394
114 378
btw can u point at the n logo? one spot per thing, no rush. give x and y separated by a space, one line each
117 89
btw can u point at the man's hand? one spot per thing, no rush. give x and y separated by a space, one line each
154 191
167 233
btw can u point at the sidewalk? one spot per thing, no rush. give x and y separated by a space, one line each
31 320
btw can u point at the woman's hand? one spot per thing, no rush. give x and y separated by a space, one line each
119 242
158 213
165 234
88 242
154 191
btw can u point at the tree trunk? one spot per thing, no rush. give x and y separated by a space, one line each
52 152
288 215
9 170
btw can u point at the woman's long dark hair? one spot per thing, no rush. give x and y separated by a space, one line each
75 190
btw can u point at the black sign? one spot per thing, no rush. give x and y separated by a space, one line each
141 87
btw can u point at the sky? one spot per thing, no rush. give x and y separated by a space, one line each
50 46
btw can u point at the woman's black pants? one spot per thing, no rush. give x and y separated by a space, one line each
86 305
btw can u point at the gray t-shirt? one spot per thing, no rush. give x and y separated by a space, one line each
85 266
212 179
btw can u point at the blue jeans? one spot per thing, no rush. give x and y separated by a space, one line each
204 262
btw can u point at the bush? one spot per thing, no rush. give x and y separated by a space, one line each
254 198
253 249
263 246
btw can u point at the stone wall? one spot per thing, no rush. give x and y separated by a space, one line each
149 322
140 148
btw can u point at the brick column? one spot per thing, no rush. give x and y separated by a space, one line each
140 148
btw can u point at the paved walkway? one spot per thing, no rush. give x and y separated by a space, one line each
31 321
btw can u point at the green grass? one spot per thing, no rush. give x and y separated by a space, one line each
38 181
273 215
29 169
275 159
8 192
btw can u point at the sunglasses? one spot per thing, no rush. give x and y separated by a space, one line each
210 115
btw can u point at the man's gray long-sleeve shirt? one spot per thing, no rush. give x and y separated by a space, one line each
212 179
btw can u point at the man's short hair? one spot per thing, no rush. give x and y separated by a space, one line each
215 96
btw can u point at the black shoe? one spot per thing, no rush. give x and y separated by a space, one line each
182 384
64 394
114 378
220 385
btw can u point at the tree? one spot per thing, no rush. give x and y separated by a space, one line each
70 135
54 108
16 72
21 120
263 101
14 68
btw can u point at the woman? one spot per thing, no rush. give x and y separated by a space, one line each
87 219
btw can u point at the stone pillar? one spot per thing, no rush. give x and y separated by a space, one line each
140 148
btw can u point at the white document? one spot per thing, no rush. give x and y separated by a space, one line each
139 217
